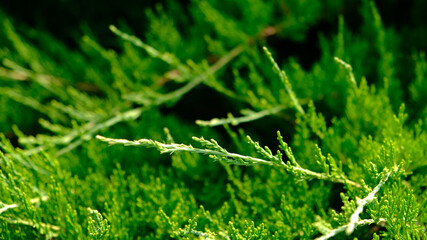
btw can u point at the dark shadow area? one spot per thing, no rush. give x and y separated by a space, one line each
64 18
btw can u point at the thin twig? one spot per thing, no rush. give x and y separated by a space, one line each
362 202
171 148
343 228
354 219
236 121
285 81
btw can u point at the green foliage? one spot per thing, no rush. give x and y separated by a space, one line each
349 159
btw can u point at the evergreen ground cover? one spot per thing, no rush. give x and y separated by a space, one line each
269 132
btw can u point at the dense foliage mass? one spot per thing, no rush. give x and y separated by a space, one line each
346 128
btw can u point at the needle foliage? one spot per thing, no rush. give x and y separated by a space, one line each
259 145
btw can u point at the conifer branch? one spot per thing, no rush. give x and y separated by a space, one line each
177 94
168 58
340 229
285 81
125 116
171 148
238 120
362 202
354 219
217 152
199 79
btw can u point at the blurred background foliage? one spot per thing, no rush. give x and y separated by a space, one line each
306 22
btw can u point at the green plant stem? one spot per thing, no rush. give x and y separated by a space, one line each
212 70
354 219
76 137
236 121
285 81
171 148
177 94
362 202
168 58
340 229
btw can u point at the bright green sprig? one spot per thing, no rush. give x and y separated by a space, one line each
216 152
177 94
340 229
288 151
77 136
167 57
285 81
265 152
362 202
329 165
354 219
98 227
238 120
191 229
213 149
